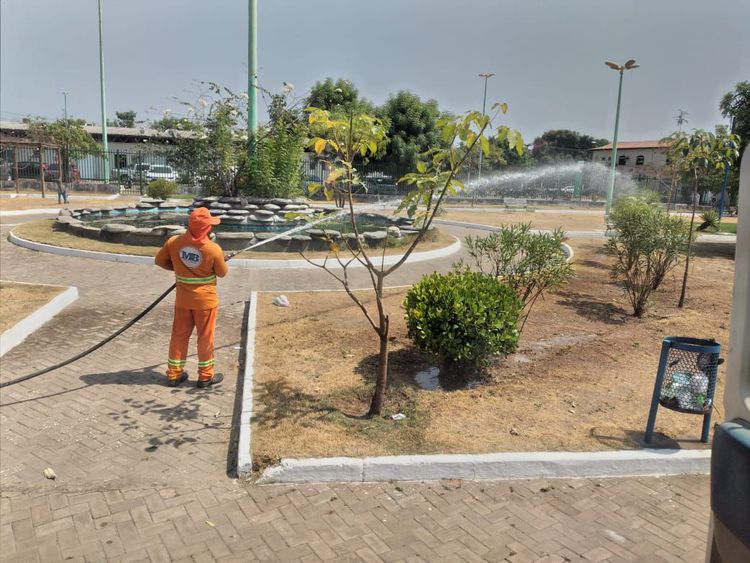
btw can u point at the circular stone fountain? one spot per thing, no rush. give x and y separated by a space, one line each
244 222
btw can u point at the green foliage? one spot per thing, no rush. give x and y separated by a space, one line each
71 135
340 96
710 219
275 167
462 318
647 244
563 144
125 118
736 106
412 127
530 263
161 188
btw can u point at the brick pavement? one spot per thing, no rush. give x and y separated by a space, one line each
143 470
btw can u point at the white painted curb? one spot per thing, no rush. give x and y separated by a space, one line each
18 333
234 263
244 457
18 212
499 466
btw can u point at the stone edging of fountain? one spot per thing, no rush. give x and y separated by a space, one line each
494 466
235 263
16 334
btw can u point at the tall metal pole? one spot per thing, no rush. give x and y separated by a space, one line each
484 75
611 187
64 165
252 79
103 99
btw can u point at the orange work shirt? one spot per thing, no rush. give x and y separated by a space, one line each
196 267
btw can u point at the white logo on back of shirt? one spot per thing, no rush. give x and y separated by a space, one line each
190 256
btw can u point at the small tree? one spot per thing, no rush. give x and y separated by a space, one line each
700 153
338 141
71 136
531 263
647 244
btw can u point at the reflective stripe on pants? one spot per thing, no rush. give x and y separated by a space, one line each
204 321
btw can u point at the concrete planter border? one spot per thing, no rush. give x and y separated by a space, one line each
22 329
244 439
235 263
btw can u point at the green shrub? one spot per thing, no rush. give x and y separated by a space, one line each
161 189
647 244
463 317
531 263
710 220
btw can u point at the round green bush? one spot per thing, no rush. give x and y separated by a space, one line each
463 317
161 189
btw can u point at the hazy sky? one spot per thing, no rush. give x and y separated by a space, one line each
548 55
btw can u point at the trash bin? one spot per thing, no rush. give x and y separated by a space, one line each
685 380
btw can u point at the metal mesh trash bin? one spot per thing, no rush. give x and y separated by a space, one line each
685 380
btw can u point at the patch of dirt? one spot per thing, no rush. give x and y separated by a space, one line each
43 231
19 300
581 379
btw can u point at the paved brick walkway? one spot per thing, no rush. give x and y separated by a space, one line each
143 471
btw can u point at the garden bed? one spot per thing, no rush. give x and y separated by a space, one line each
581 379
43 231
19 300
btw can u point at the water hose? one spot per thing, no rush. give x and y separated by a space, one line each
148 309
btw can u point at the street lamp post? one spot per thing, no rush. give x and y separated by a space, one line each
252 79
64 164
631 64
103 99
484 75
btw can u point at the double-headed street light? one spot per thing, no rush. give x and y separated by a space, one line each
484 75
629 65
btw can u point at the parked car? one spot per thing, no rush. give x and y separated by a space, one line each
159 172
132 173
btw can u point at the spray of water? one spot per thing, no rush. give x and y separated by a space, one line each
551 180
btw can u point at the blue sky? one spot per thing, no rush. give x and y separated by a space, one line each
548 55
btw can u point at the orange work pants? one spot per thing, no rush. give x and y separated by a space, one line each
204 320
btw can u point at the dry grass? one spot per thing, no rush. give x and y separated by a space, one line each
21 202
43 231
19 300
581 380
569 222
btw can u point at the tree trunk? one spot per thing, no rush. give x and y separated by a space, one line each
376 405
681 303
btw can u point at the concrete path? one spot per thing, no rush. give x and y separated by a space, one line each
144 471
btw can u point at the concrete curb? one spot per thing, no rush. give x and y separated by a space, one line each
19 212
244 457
235 263
498 466
18 333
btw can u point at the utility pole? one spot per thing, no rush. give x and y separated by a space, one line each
484 75
252 79
105 148
611 188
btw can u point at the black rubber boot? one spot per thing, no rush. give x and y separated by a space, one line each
176 382
216 379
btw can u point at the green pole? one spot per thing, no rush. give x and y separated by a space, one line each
252 83
611 188
103 99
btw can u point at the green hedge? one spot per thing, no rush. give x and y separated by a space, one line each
462 318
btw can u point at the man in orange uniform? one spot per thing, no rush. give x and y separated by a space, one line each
196 261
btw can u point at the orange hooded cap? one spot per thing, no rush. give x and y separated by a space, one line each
199 225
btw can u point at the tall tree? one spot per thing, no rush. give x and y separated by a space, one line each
71 136
125 118
337 96
564 144
700 153
736 106
411 127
